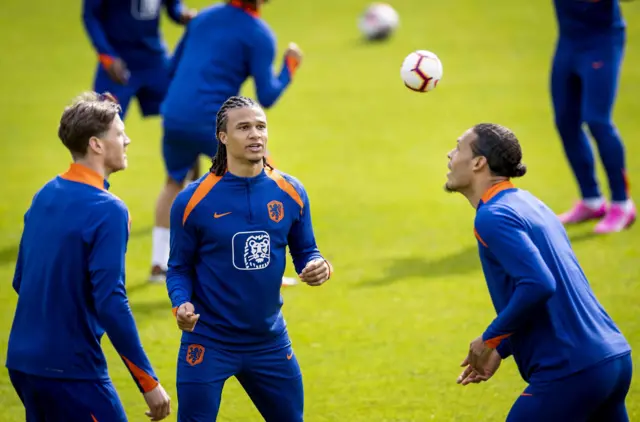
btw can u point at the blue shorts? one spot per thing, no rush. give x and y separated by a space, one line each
61 400
596 394
271 378
149 86
181 149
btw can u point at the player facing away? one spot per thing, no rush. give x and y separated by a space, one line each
133 59
584 83
224 46
70 281
567 348
229 234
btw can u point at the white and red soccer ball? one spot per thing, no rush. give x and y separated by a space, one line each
421 71
378 21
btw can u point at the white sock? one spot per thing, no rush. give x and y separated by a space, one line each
160 255
594 203
625 205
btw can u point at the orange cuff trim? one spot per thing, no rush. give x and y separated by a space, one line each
292 65
105 60
493 343
174 311
146 381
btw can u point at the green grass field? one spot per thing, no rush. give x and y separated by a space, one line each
382 340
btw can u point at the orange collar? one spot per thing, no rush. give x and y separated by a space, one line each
82 174
496 189
250 10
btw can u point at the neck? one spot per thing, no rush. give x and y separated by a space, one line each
244 168
475 192
94 165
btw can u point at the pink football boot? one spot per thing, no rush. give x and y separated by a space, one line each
616 219
581 213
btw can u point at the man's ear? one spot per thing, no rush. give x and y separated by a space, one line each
95 144
479 163
223 137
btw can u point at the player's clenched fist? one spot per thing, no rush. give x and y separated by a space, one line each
159 403
186 317
316 272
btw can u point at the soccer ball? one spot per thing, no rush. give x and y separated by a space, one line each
378 21
421 71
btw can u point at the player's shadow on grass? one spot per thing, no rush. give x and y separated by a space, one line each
9 254
464 261
577 234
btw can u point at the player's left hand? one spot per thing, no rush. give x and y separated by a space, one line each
316 272
187 15
479 353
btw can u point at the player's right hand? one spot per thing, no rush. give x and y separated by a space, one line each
118 71
294 53
159 403
187 317
470 376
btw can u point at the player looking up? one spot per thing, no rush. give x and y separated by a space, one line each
567 348
70 280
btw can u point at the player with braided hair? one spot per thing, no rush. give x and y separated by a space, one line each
229 234
223 46
569 350
219 162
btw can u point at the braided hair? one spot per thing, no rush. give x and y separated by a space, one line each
501 148
219 162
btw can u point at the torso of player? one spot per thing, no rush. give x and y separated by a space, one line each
133 27
243 225
584 18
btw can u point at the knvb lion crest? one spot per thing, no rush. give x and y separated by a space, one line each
276 211
256 252
195 354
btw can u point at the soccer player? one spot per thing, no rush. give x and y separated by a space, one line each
133 59
229 234
70 278
584 83
223 46
567 348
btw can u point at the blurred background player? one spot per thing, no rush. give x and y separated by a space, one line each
575 359
229 235
584 83
222 47
133 59
70 282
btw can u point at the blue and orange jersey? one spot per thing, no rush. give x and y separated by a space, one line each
582 19
229 237
129 30
70 280
548 318
222 47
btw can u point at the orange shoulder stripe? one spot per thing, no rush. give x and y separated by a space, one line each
477 235
201 191
286 186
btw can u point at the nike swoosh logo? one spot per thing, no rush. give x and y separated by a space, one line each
289 356
216 215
